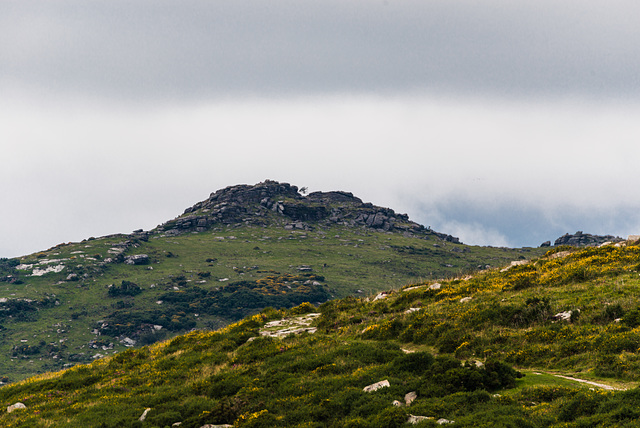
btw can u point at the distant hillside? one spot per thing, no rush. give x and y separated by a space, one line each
243 249
548 342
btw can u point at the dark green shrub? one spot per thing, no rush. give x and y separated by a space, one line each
608 314
632 318
391 417
415 363
127 288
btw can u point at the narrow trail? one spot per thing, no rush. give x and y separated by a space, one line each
587 382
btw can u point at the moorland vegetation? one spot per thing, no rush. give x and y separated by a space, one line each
485 349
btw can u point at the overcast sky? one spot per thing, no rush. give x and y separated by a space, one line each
503 123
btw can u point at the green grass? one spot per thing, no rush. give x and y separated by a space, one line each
460 367
353 261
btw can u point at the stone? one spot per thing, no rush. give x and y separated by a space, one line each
138 259
217 426
466 299
580 239
376 386
397 403
17 406
417 419
545 244
515 263
435 286
410 397
565 316
144 415
443 421
381 296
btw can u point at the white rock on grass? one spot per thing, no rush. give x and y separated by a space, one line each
376 386
16 406
417 419
144 415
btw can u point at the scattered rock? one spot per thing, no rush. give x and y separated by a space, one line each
376 386
410 397
49 269
381 296
16 406
565 316
128 342
138 259
435 286
580 239
144 415
466 299
417 419
217 426
408 311
515 263
443 421
559 255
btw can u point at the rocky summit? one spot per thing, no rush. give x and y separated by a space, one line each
273 203
580 239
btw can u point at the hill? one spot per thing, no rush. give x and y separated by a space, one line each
512 347
241 250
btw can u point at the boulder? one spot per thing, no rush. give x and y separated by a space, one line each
138 259
417 419
410 397
144 415
376 386
580 239
16 406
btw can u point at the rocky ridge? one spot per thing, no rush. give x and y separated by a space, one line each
580 239
271 202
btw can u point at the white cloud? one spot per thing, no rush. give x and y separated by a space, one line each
73 169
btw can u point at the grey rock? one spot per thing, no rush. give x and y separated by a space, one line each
144 415
580 239
376 386
17 406
417 419
410 397
138 259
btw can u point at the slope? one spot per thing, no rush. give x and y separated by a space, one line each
241 250
430 353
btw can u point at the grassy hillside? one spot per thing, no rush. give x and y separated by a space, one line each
486 350
224 259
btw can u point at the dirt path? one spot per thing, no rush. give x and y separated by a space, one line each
587 382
